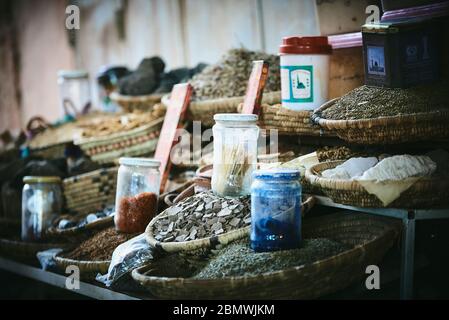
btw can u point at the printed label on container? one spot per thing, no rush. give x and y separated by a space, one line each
376 60
300 83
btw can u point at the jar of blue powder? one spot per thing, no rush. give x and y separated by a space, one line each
275 210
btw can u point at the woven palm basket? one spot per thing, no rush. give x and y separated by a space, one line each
11 246
425 193
205 243
369 237
387 130
137 142
78 234
132 103
290 122
88 269
90 192
204 111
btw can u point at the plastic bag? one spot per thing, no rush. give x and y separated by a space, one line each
128 256
47 259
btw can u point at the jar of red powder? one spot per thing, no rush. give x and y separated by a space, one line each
137 195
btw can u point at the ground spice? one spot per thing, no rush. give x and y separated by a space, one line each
134 213
372 102
99 247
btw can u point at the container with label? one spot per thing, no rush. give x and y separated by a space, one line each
401 54
305 72
41 205
275 210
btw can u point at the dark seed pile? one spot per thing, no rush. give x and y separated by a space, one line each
238 259
99 247
229 77
372 102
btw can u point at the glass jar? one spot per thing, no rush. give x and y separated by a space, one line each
41 205
138 183
235 154
74 91
275 210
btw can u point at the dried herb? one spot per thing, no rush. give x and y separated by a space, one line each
238 259
229 77
371 102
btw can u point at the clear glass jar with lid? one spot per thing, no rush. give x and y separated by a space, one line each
41 205
138 183
235 153
275 210
74 91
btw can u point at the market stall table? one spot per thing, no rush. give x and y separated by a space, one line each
409 218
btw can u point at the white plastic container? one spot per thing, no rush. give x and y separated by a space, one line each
305 65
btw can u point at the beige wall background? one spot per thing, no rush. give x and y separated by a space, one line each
182 32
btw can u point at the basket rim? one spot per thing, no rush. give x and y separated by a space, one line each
86 266
374 122
117 97
93 140
200 103
54 231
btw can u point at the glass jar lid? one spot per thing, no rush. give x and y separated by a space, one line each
38 179
277 174
140 162
73 74
236 117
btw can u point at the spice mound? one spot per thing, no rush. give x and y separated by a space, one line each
371 102
238 259
202 215
229 77
99 247
134 213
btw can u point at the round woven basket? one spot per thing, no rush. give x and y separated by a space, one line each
370 237
26 250
290 122
132 103
88 269
204 111
425 193
387 130
205 243
77 234
137 142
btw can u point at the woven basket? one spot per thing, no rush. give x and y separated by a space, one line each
425 193
78 234
289 122
132 103
205 243
137 142
387 130
88 269
370 237
90 192
25 250
204 111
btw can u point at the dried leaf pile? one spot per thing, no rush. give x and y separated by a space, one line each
229 77
201 216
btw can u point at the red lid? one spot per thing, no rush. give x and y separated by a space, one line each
305 45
